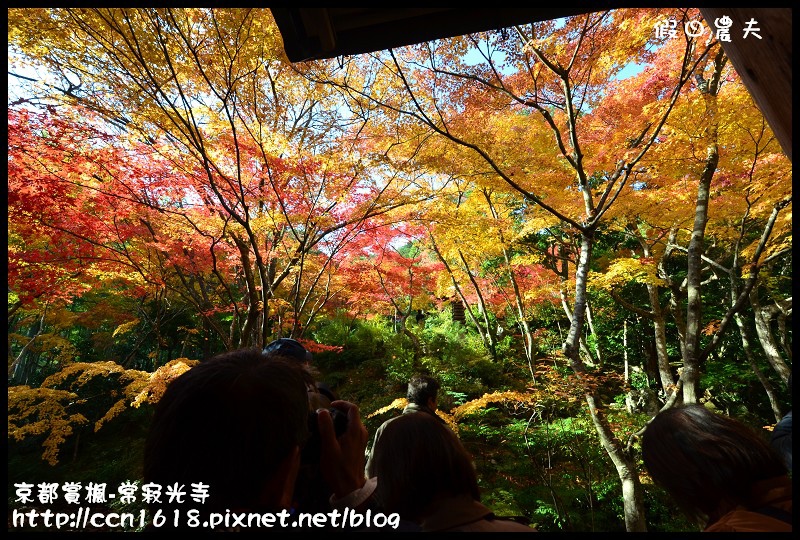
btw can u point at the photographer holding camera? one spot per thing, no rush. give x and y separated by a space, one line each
312 493
239 423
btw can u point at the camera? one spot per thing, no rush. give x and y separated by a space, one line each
311 492
339 422
311 451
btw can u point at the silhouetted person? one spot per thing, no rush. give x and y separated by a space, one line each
427 476
781 438
237 423
311 493
719 471
423 397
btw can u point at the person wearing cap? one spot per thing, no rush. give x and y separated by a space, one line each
294 350
312 493
291 348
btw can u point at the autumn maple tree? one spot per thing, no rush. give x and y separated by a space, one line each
259 189
176 184
542 113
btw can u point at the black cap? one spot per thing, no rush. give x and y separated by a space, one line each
290 348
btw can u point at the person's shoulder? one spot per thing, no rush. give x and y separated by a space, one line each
742 520
509 525
385 423
493 525
389 420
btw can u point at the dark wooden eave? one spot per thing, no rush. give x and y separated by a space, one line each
315 33
764 65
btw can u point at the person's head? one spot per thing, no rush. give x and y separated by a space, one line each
320 395
706 461
419 460
424 391
294 351
235 422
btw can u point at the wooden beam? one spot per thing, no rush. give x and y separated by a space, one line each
765 65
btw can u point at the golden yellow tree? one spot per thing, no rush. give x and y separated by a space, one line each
542 112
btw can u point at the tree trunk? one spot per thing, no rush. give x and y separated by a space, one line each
633 496
694 302
17 372
584 349
491 336
527 336
484 333
773 398
632 493
763 318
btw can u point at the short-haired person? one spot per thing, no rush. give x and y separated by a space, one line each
720 472
423 397
238 424
427 476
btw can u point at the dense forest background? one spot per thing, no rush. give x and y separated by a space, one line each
572 224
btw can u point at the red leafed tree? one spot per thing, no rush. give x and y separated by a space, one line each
67 230
390 272
245 173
